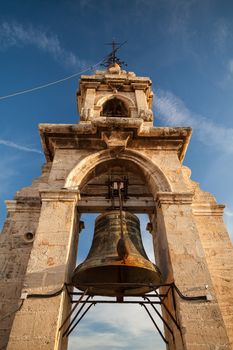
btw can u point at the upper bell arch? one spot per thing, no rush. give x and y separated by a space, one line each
123 105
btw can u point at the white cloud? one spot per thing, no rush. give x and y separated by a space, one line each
116 327
230 66
228 212
173 111
16 34
222 37
19 147
180 15
221 33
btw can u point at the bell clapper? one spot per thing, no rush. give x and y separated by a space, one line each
121 245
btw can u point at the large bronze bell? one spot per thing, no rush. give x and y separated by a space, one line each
117 265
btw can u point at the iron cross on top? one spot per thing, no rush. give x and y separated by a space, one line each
112 57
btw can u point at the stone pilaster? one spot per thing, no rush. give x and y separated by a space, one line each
201 322
16 242
36 325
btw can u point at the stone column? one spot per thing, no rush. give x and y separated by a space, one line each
182 261
36 325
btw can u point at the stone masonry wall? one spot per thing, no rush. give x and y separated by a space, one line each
15 252
22 218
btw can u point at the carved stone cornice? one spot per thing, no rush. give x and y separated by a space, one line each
59 195
174 198
207 209
140 85
91 84
87 135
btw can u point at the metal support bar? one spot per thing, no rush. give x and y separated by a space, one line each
71 312
120 302
78 320
127 296
169 313
147 301
160 316
67 329
185 297
155 324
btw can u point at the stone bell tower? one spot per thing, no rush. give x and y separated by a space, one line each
115 138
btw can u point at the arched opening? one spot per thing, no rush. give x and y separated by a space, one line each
114 107
121 326
103 326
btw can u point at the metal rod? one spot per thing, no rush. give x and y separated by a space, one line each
72 321
161 334
185 297
117 302
166 295
169 313
120 202
173 300
79 320
126 296
161 317
77 303
68 292
174 305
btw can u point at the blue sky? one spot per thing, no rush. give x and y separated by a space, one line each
186 47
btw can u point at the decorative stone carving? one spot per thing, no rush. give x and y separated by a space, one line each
86 113
116 139
149 115
114 68
146 115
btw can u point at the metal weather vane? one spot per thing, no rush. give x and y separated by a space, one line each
112 58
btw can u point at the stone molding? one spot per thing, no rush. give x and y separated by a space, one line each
140 85
206 209
60 196
71 136
114 122
26 205
91 84
174 198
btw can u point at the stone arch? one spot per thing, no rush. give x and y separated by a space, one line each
114 107
156 179
128 102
